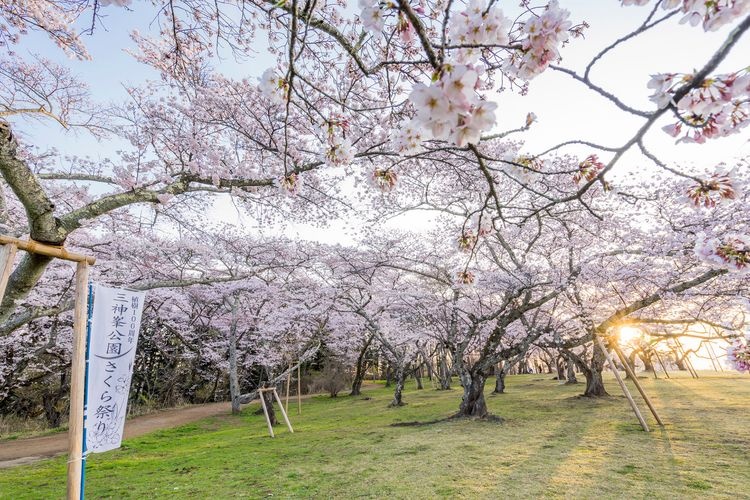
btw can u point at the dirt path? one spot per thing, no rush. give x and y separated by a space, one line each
26 451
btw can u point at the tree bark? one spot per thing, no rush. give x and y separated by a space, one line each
234 383
500 380
570 372
472 402
397 393
444 373
560 369
361 368
593 374
268 398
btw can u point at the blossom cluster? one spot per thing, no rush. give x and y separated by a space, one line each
372 15
273 87
711 14
339 151
450 108
730 252
710 192
290 184
718 107
588 169
477 27
738 354
407 140
383 179
545 35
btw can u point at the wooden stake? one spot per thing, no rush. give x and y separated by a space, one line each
7 256
656 353
624 388
637 384
265 411
686 359
299 392
288 382
77 380
714 357
283 412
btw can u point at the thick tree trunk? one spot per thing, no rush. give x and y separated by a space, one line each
444 372
388 376
397 393
570 372
268 398
418 377
560 369
500 380
593 374
361 369
473 403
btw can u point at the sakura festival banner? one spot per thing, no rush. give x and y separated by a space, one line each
113 337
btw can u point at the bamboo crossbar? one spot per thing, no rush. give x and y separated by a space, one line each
32 246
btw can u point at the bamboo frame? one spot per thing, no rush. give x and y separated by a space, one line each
283 412
624 388
637 384
57 252
78 358
712 352
663 366
686 358
276 396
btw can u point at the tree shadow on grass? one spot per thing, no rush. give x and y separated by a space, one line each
415 423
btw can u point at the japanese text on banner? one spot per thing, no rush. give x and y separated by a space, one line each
115 322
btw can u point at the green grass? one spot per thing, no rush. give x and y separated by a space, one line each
551 444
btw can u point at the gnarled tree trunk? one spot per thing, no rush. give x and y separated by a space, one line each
593 374
472 402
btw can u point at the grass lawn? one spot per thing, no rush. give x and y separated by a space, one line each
551 444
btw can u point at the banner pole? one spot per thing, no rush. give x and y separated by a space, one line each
77 375
86 388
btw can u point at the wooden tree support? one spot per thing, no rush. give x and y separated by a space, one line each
299 391
78 357
663 366
288 381
686 358
637 384
624 388
272 390
712 353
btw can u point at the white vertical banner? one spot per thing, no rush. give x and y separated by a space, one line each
115 322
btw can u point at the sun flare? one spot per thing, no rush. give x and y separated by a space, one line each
629 334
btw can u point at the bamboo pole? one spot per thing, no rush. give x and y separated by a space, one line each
637 384
77 380
32 246
663 366
265 411
283 412
713 355
288 382
686 359
624 388
7 256
299 391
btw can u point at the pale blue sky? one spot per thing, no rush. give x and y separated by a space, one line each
565 109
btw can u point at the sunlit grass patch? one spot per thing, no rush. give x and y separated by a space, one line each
549 444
